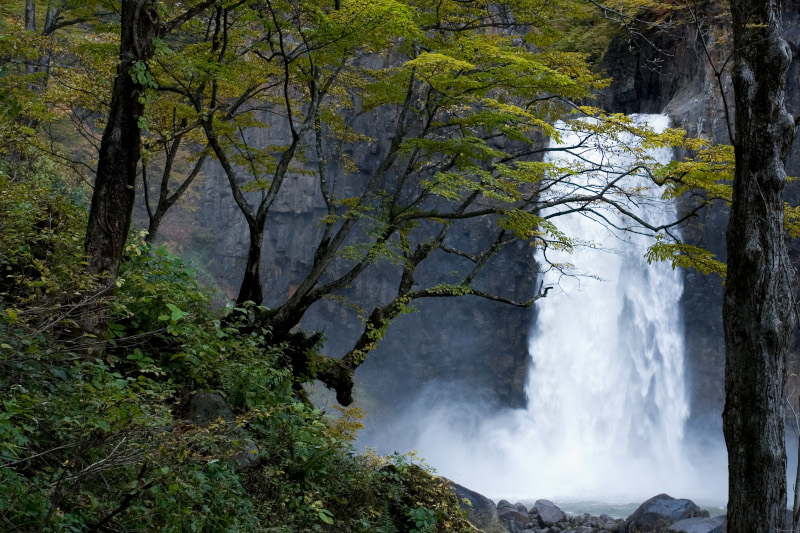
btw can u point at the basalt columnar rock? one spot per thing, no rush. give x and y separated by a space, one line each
469 343
479 346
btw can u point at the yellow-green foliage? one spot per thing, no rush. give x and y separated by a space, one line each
473 84
792 220
686 256
41 248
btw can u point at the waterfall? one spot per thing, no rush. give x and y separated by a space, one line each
607 401
606 385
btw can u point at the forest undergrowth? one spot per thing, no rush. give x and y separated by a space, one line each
97 437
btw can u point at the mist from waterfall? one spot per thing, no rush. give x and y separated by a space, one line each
607 399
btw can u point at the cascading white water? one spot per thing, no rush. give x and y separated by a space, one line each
606 394
606 384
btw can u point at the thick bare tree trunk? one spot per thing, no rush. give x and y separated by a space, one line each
759 303
112 201
251 288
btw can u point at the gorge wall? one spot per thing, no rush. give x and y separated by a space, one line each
481 347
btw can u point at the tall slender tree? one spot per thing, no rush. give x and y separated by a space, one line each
114 192
759 301
112 201
120 147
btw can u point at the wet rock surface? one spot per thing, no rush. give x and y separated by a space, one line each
547 517
549 514
700 525
481 511
208 407
660 512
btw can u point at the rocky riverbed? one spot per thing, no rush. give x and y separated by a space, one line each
659 514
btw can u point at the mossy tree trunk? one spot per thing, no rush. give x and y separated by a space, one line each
114 188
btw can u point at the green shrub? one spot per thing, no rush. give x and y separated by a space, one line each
41 239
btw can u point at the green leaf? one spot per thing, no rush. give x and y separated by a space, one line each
326 516
177 314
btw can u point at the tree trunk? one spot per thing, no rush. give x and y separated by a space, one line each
31 64
153 225
112 201
758 306
251 288
30 25
796 504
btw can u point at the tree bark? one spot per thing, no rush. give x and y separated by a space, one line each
112 201
251 289
758 309
30 15
166 200
153 225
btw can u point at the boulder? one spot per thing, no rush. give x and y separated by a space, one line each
549 513
481 511
503 504
521 508
513 520
700 525
660 512
248 458
207 407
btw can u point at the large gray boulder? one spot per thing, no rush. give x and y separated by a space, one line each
549 513
513 520
207 407
659 512
481 511
700 525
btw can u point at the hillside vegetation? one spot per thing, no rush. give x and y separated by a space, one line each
106 444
